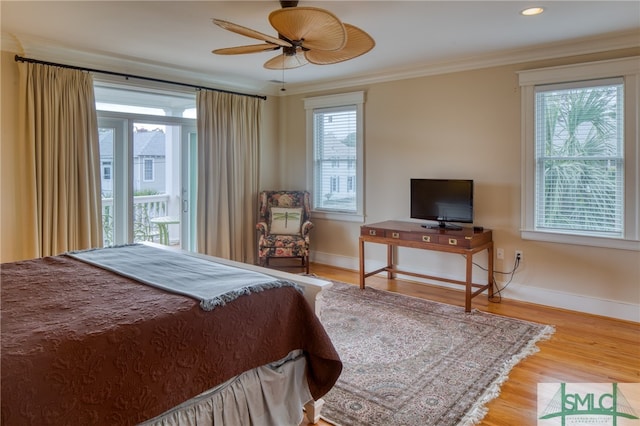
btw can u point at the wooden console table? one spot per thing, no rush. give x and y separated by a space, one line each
466 242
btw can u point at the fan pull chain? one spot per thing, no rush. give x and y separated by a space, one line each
282 89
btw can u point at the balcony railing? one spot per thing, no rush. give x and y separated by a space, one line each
145 208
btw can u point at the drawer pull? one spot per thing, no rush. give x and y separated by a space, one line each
395 235
453 242
372 232
426 238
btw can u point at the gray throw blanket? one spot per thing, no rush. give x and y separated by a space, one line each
211 283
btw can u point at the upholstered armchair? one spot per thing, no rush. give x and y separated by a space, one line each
284 225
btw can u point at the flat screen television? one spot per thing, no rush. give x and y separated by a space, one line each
442 200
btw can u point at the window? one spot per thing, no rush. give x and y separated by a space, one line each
335 147
148 169
580 146
106 170
107 179
335 184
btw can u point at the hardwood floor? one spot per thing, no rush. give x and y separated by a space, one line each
584 348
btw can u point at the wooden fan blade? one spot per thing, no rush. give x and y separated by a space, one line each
286 62
250 33
315 28
252 48
358 43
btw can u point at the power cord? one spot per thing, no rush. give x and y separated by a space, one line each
497 296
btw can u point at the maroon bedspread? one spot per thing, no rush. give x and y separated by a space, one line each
83 346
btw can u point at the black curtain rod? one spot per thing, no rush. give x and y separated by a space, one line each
157 80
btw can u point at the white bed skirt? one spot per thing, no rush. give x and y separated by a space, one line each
270 395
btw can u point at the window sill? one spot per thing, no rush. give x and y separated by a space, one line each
583 240
338 216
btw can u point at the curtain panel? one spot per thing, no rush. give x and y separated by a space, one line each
59 133
228 160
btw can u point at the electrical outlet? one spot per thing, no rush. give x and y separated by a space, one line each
519 255
500 254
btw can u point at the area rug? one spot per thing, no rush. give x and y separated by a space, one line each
409 361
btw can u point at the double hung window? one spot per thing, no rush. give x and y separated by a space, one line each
148 169
580 146
335 155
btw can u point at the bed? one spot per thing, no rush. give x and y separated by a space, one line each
88 344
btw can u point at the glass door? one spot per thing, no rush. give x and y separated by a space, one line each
146 191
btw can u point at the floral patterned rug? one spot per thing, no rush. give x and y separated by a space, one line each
409 361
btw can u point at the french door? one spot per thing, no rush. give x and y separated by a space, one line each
148 183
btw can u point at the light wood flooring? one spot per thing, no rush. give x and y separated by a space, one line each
584 348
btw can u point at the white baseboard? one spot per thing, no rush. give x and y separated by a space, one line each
573 302
515 291
337 261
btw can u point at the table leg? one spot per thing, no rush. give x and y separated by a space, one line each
390 275
361 254
164 233
490 271
467 293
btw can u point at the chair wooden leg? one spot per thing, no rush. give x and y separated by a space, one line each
305 261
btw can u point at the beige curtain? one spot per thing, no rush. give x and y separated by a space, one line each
59 129
228 143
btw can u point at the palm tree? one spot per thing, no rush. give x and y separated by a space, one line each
582 188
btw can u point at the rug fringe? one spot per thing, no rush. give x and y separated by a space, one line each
331 422
479 410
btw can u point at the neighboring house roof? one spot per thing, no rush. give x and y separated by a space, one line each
106 145
334 146
148 144
145 144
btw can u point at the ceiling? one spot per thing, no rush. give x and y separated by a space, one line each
174 39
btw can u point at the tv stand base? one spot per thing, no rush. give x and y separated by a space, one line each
443 226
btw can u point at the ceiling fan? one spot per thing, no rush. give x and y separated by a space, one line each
305 35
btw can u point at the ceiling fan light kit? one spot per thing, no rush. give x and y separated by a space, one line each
532 11
286 62
306 35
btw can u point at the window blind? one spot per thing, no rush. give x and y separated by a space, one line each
335 157
579 136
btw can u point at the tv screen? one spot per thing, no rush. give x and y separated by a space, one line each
442 200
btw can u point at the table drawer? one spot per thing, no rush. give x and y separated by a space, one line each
454 240
412 236
372 232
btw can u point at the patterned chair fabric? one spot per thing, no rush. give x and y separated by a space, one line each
287 205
